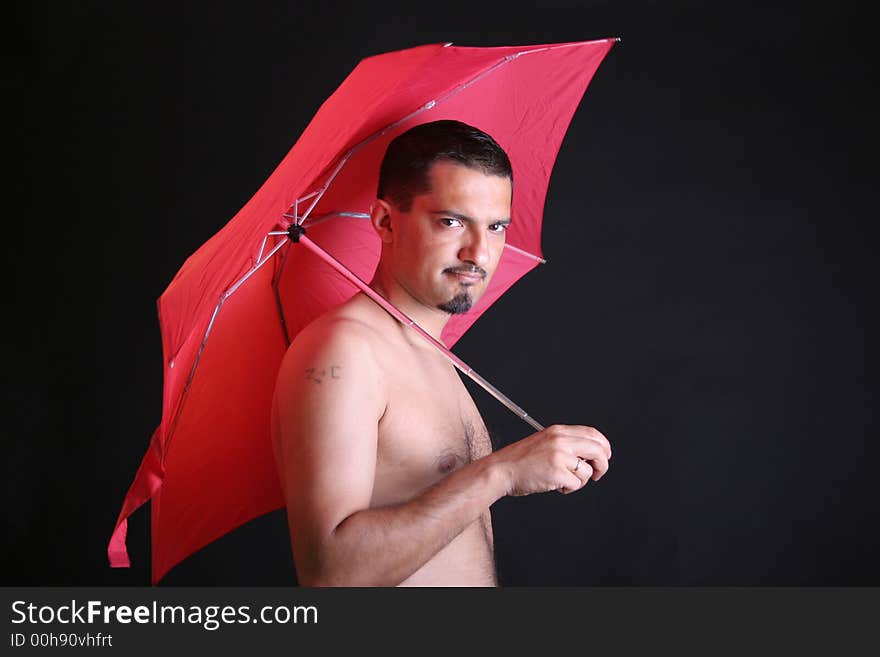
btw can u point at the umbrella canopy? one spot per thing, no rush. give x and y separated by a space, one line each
228 315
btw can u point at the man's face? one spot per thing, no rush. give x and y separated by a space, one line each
446 248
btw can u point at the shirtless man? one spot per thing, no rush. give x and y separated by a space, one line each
386 464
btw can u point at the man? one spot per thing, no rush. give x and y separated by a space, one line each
386 464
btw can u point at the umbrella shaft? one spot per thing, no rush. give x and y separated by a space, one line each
463 367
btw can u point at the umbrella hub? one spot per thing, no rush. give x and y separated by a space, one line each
295 232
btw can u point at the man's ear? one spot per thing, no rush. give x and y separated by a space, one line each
380 217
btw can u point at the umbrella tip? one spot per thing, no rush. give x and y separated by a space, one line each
617 39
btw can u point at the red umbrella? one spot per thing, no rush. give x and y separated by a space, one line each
230 312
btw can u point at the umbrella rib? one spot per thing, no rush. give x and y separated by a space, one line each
256 266
313 221
192 373
320 192
276 279
525 253
262 246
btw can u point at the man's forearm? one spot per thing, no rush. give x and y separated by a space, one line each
385 545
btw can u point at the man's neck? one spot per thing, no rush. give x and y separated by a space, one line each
431 320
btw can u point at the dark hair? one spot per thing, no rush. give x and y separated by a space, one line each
408 159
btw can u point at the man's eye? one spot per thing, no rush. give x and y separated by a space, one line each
450 221
498 228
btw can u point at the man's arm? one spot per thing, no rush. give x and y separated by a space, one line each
328 402
329 399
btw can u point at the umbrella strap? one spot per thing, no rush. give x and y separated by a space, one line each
146 482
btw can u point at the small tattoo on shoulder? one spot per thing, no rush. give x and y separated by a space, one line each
318 375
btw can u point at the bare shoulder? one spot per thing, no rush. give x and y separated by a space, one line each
338 348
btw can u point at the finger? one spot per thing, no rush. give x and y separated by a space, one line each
570 482
583 470
593 454
606 444
600 467
583 432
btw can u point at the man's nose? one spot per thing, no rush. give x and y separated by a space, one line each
476 248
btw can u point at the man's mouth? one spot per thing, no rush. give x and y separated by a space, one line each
467 275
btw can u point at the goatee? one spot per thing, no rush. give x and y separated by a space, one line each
458 305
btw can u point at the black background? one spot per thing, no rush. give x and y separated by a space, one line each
707 303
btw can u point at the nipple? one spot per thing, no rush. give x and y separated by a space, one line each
447 463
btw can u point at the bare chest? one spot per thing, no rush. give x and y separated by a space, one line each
431 427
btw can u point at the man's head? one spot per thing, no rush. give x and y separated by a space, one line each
442 212
404 170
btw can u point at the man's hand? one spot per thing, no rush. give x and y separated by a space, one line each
561 457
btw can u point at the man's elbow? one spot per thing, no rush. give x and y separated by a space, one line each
324 564
337 558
